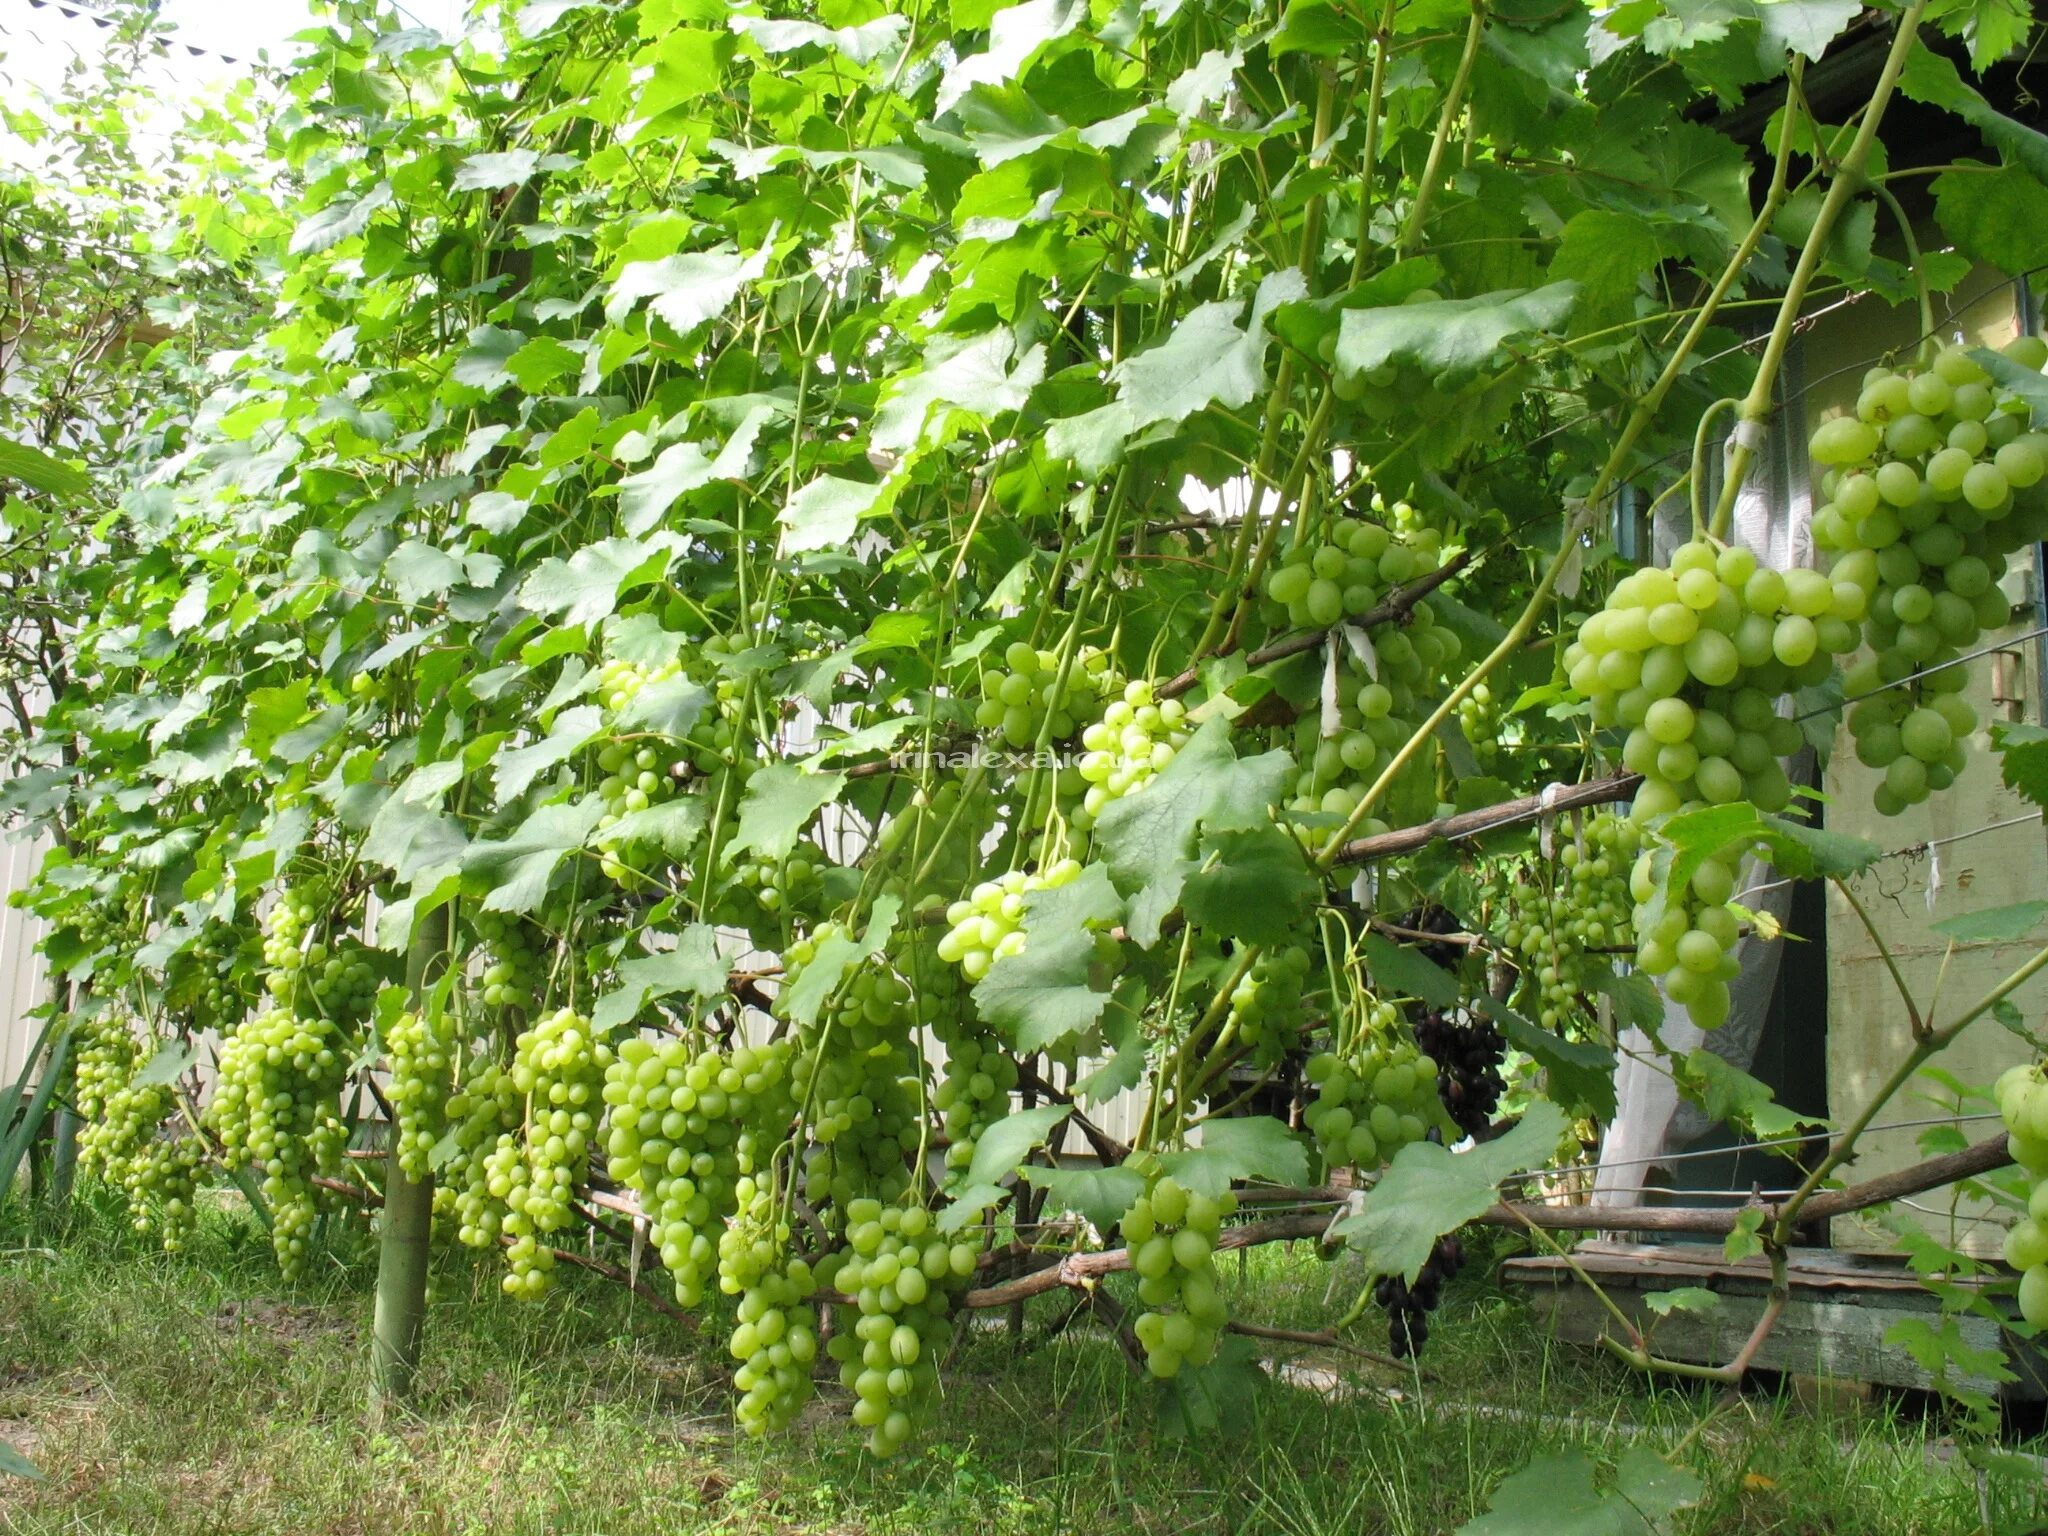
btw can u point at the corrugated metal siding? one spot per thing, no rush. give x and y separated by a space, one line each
22 973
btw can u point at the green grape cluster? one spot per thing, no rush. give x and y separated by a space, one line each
988 924
421 1050
1379 708
2022 1098
1172 1234
481 1111
161 1179
857 1078
1266 1007
1347 571
1482 718
1373 1099
902 1276
1931 484
776 1336
513 971
685 1124
1125 750
286 926
974 1093
275 1106
558 1068
1691 659
208 989
618 683
103 1058
788 887
121 1136
1555 926
104 924
635 778
344 979
1016 702
1688 943
939 831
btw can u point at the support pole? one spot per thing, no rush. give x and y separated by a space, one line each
404 1246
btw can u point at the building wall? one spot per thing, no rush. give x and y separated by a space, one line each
23 977
1867 1029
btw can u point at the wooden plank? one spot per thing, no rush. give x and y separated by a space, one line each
1659 1266
1834 1326
1834 1339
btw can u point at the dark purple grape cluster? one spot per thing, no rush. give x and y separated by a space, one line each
1408 1306
1467 1050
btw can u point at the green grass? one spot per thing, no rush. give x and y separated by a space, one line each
194 1395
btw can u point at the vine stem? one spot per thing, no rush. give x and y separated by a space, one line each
1382 39
1510 643
1930 1043
1847 182
1922 294
1454 103
1223 611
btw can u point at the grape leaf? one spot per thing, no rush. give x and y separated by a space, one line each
493 172
1742 1241
670 707
1097 1195
1579 1073
1637 1002
976 374
406 837
1686 1298
1607 252
1427 1191
861 44
1449 336
1240 1147
338 221
1994 925
1205 360
39 472
826 513
521 865
1203 1399
1400 970
418 570
781 799
486 363
1559 1496
517 767
1016 32
171 1061
685 290
997 1154
2023 758
1804 26
2029 385
1144 838
1931 78
1047 991
1996 216
644 497
587 586
693 965
1254 885
672 826
1727 1095
805 997
1125 1068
